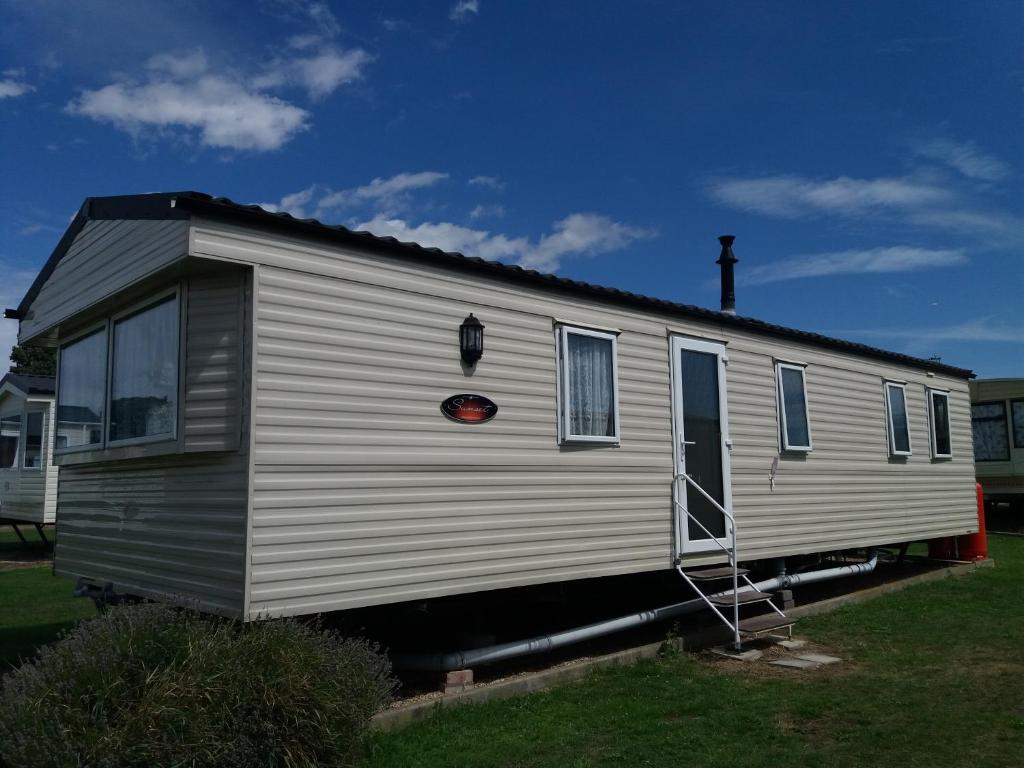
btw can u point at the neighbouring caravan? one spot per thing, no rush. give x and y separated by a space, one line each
997 414
289 417
28 477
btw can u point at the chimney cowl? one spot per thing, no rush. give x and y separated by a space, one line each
727 259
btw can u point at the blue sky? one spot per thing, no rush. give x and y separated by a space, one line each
868 156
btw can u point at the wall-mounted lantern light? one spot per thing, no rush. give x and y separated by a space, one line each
471 339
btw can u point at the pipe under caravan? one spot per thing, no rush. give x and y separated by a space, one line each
445 662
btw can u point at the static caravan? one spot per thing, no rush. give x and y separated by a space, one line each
28 477
997 416
290 418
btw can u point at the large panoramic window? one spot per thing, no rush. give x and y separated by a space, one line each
938 413
794 422
144 373
33 453
991 441
589 376
10 433
899 423
82 382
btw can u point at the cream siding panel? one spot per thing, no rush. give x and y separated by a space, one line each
171 528
105 257
52 471
363 493
213 373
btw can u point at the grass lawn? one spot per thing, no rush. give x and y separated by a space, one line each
35 606
934 675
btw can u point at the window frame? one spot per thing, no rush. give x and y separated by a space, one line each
1013 422
780 397
107 325
563 400
933 436
19 445
24 441
901 385
137 309
84 333
1006 426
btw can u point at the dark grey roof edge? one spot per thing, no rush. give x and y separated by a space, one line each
176 204
31 384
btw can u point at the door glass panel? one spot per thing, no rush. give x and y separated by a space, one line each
702 429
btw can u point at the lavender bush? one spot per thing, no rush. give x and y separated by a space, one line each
149 685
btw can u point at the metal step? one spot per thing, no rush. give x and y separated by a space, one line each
750 596
713 574
760 625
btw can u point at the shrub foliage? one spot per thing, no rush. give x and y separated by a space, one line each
151 685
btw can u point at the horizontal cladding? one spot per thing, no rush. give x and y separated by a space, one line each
172 528
364 494
105 257
213 371
29 494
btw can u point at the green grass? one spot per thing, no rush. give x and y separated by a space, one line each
934 675
35 606
11 545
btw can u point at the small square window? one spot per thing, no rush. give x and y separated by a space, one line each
938 415
589 386
899 422
794 421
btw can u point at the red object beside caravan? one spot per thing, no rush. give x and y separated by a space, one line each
974 546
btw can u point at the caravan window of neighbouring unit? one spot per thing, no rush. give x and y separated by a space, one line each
794 421
10 433
1017 410
899 424
589 395
33 458
82 381
938 417
991 441
144 373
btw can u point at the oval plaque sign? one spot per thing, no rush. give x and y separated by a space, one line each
469 409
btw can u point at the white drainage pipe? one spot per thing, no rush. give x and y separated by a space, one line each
444 662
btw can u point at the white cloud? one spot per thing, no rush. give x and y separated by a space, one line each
794 197
13 87
225 112
871 261
321 15
463 9
979 329
487 212
965 158
320 74
579 234
385 194
180 65
490 182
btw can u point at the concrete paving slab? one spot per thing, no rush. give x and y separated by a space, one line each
789 645
795 663
729 653
819 658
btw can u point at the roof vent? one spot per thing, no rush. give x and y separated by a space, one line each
727 259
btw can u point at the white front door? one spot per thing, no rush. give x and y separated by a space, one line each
701 427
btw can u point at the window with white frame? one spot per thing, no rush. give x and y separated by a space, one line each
140 350
82 395
938 417
899 423
32 457
988 424
10 436
588 397
794 421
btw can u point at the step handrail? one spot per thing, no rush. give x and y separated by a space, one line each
730 552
